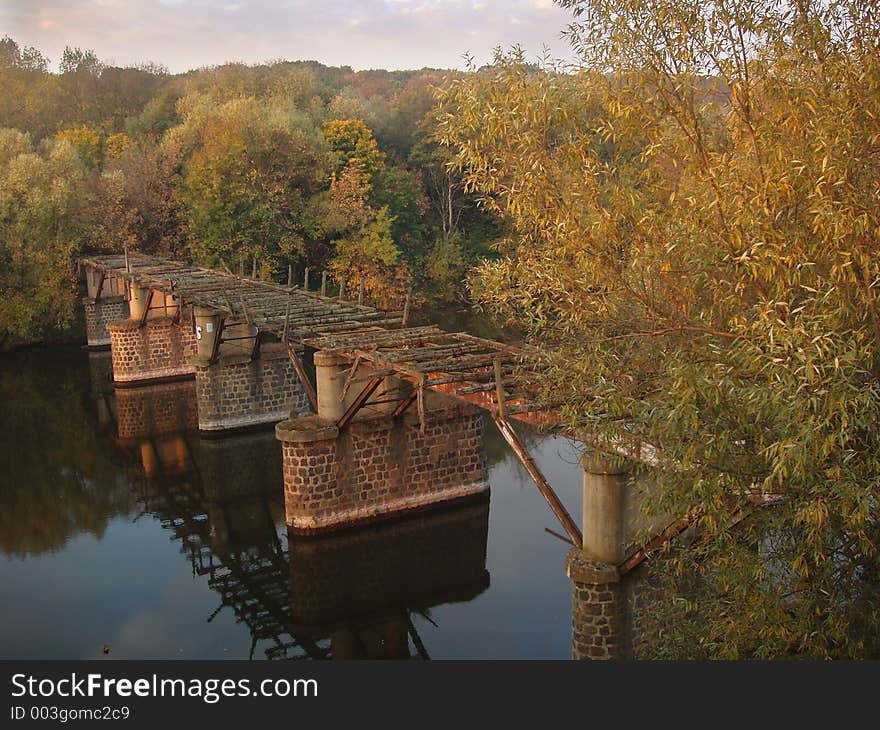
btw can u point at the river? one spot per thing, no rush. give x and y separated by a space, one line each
165 546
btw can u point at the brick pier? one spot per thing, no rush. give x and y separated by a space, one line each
101 313
156 350
380 467
237 392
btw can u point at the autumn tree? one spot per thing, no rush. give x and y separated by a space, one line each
363 191
694 239
44 224
248 173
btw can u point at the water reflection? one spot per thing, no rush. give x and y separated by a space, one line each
104 491
66 481
361 588
343 596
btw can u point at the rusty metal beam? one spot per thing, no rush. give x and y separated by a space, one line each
147 307
303 378
215 351
359 402
405 403
522 453
255 352
100 286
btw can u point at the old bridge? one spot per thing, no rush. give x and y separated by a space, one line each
384 420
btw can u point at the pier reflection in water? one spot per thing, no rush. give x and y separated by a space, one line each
96 481
340 596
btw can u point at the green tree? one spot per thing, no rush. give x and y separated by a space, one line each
694 239
44 213
248 174
352 143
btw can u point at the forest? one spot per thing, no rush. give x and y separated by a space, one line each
268 166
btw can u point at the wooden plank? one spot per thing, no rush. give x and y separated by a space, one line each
375 339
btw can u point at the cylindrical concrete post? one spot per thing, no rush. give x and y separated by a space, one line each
93 278
239 338
604 483
137 303
329 382
207 330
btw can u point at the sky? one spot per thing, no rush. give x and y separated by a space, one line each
363 34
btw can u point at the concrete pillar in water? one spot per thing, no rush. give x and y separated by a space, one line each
379 467
597 600
329 381
207 330
604 522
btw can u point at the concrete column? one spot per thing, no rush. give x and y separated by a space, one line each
93 278
207 329
604 523
329 381
137 302
239 339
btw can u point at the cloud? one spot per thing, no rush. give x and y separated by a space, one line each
392 34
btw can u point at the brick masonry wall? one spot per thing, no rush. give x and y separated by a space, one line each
381 467
417 563
598 608
595 619
156 350
101 313
156 410
240 392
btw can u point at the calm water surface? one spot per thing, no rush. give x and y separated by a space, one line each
120 529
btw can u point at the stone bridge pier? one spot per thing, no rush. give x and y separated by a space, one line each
342 470
241 382
104 303
609 610
156 340
157 336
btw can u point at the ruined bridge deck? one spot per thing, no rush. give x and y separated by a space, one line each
494 376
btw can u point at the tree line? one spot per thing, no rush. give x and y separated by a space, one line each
283 164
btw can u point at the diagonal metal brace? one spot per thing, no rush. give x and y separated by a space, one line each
303 378
522 453
359 402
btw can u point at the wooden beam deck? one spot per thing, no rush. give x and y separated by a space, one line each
494 376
